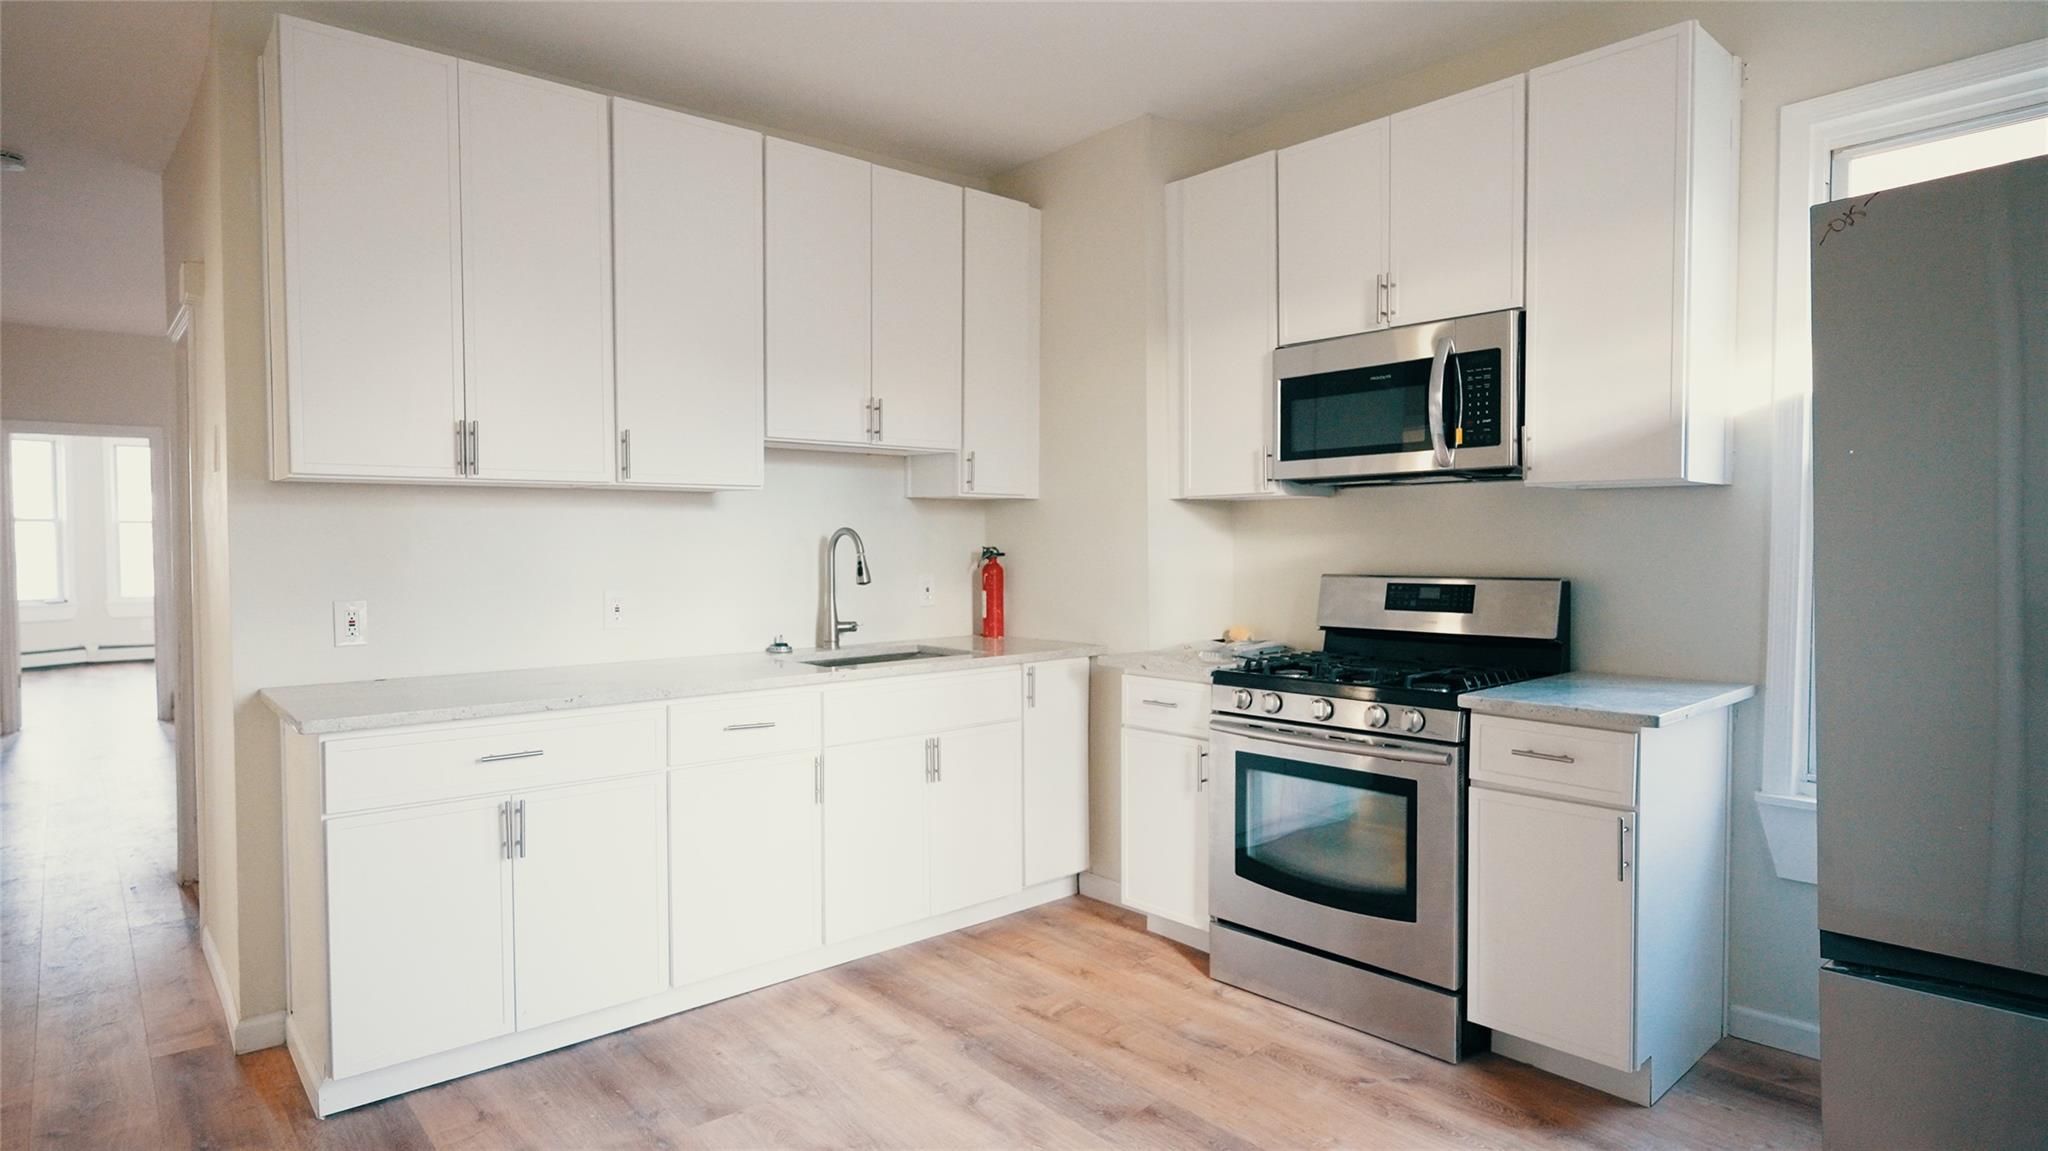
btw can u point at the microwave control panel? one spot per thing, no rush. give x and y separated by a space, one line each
1480 416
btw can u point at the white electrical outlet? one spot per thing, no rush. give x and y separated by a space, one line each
924 591
351 622
614 609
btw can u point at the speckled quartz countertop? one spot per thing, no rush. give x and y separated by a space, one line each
329 708
1597 699
1191 662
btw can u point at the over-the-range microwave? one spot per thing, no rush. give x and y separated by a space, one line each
1422 402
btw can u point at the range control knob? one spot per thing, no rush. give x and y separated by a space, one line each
1412 720
1243 699
1375 716
1321 709
1271 703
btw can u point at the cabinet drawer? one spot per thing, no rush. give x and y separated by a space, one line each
1579 763
1167 705
922 704
736 726
485 759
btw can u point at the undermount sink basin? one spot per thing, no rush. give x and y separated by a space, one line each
884 655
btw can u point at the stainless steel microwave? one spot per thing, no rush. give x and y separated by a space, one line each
1425 401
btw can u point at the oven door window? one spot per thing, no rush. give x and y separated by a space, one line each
1342 839
1357 412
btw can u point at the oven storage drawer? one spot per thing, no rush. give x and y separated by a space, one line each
737 726
1586 765
1166 705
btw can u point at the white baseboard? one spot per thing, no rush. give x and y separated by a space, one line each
244 1035
1101 888
1799 1036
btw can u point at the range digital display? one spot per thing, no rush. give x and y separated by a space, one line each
1432 597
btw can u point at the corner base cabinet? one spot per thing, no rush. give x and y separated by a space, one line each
465 894
1597 898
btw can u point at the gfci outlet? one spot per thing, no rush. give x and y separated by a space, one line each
351 622
924 591
614 609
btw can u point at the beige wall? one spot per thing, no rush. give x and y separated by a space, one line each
64 375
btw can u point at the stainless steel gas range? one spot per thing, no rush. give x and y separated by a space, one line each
1337 852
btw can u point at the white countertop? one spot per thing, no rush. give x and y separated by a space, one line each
1598 699
1191 662
328 708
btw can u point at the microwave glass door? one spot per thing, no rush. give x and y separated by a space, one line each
1340 838
1356 412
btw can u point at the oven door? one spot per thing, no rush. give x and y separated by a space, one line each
1426 398
1349 848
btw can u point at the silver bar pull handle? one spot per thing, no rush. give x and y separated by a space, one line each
1201 767
970 471
927 761
500 757
818 778
1621 848
521 840
1030 687
475 457
878 417
1393 308
1546 756
505 830
461 448
1159 703
938 761
626 454
1379 296
756 726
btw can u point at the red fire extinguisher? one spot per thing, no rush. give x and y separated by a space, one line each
991 593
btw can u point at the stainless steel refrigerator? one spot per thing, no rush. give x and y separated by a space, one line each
1930 505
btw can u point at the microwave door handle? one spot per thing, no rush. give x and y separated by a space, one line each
1439 448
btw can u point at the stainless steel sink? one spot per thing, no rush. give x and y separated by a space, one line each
880 655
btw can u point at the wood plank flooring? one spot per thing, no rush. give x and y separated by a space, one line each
1064 1026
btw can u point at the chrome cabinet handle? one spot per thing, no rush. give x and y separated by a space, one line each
520 842
970 471
1159 703
938 760
1201 767
505 830
1621 848
626 453
1030 687
1393 308
1441 450
475 457
927 761
1379 297
878 417
818 778
505 755
1546 756
461 448
757 726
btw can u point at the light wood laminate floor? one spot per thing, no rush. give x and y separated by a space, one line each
1065 1026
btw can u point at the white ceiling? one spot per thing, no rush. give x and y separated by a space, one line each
95 95
971 88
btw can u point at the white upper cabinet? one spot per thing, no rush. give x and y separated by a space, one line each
536 278
687 310
1632 158
818 290
1333 234
1221 301
916 299
363 192
1455 245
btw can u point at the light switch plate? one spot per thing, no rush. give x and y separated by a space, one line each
351 622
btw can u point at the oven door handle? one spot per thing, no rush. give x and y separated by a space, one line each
1440 447
1351 747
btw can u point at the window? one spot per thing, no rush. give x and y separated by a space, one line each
134 558
1951 150
37 482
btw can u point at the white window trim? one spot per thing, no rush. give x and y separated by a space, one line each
118 605
65 606
1809 134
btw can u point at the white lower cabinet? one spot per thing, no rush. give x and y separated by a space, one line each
1553 924
744 859
875 858
974 816
419 914
589 897
1055 769
1166 826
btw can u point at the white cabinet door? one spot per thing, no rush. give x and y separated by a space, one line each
1631 263
1055 769
590 896
1551 939
818 261
975 816
1165 827
916 302
744 844
1224 297
875 852
1456 205
537 277
686 250
419 932
1333 234
1000 380
372 274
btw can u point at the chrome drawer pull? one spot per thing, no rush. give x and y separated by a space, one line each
1159 703
1548 757
750 726
505 755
